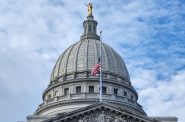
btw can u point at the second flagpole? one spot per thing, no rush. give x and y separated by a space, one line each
101 87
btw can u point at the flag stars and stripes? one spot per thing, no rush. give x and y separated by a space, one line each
96 69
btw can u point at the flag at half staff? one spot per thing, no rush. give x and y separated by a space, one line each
96 69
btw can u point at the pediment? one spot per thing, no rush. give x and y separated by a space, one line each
100 112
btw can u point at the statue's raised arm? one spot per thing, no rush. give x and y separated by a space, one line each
90 7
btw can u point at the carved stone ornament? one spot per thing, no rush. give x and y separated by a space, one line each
119 119
101 117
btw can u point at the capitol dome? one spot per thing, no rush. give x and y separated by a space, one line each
82 56
73 87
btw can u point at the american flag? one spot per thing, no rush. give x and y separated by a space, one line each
95 70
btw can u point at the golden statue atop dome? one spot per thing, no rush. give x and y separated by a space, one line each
90 7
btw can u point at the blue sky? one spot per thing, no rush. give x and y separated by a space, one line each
148 34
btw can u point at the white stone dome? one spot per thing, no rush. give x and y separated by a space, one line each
82 56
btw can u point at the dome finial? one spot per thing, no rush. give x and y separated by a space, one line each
90 7
90 25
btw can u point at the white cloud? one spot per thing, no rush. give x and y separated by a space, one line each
165 98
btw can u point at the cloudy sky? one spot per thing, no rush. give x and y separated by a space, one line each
148 34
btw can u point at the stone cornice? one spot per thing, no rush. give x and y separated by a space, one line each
86 101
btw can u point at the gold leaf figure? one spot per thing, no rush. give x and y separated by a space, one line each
90 7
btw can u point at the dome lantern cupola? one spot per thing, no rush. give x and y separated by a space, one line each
90 25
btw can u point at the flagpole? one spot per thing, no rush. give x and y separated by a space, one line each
101 91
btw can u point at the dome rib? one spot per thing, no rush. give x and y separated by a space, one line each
86 55
106 59
91 55
120 62
57 65
76 55
80 57
65 71
96 52
71 59
55 73
63 62
110 60
123 67
60 63
114 58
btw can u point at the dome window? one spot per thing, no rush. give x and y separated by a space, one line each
115 92
90 28
66 91
91 89
49 96
56 93
94 28
78 89
104 90
125 93
85 30
131 97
